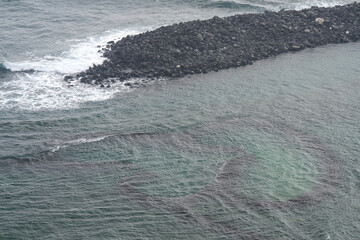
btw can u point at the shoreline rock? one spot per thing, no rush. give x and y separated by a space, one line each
219 43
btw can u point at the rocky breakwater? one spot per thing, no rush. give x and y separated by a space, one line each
220 43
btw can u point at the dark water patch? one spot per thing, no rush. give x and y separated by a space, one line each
183 208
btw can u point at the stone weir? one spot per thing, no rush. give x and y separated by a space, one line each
219 43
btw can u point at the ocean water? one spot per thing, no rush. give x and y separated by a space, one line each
267 151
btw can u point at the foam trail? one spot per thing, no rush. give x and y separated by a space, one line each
79 57
79 141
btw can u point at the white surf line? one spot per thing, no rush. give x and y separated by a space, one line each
45 89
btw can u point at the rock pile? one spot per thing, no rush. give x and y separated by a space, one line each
219 43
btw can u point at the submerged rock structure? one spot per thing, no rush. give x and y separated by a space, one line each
220 43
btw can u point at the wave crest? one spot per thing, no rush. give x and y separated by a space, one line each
80 56
37 84
3 68
234 5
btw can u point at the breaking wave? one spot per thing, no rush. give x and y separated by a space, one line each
251 5
81 55
37 84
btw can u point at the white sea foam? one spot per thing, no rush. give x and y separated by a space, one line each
318 3
277 5
79 57
45 88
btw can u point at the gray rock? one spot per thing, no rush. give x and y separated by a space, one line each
200 37
319 21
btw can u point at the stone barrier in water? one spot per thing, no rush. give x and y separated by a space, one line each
219 43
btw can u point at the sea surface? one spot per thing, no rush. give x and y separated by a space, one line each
267 151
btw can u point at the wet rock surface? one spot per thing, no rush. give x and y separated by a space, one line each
220 43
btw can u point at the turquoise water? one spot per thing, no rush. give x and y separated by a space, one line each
267 151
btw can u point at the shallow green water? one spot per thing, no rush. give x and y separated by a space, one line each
268 151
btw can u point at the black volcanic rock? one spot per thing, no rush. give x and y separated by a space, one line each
220 43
